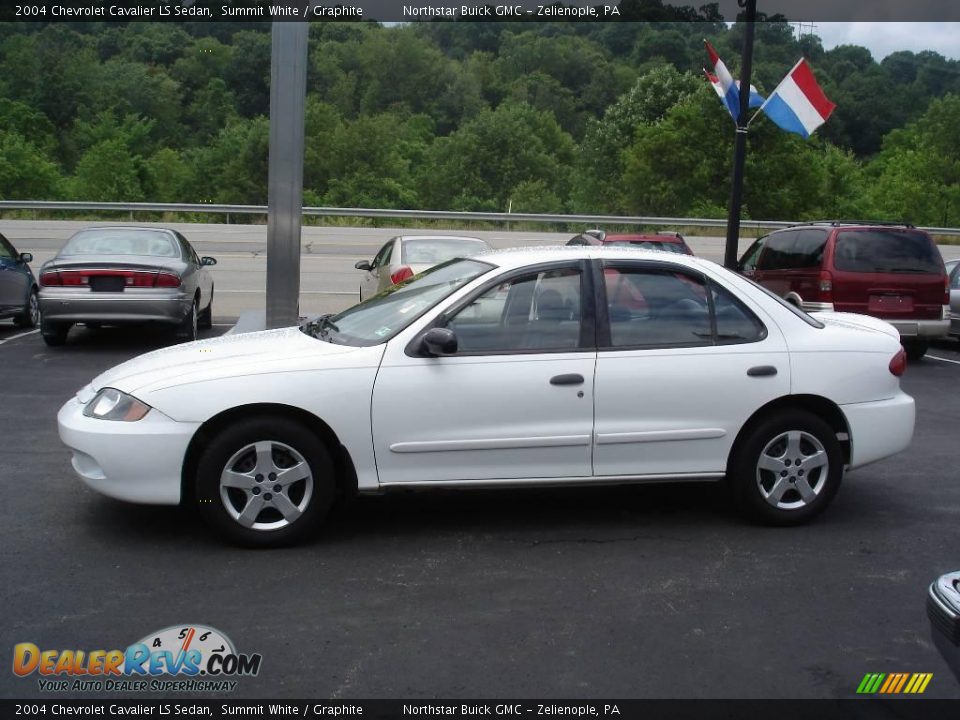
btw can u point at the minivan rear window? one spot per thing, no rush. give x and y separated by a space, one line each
886 251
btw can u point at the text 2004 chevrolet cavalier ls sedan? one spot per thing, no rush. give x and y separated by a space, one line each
514 368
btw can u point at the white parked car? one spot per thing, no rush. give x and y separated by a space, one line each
556 366
404 256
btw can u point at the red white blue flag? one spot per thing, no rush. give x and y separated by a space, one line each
798 105
726 87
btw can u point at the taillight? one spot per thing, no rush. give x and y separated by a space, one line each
826 286
401 274
946 289
131 278
168 280
898 364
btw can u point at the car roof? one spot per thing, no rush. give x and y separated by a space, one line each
527 255
135 228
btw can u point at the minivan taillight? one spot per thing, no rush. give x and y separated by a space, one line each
946 289
899 362
825 286
401 274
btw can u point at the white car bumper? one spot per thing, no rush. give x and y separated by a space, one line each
879 429
135 461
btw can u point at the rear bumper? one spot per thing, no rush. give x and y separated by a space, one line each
130 306
879 429
921 328
955 324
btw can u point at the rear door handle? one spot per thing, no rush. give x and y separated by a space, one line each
762 371
570 379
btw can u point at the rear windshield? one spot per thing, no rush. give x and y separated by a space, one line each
886 251
437 250
121 242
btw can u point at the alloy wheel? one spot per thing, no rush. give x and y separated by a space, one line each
792 470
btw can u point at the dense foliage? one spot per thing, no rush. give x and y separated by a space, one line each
560 117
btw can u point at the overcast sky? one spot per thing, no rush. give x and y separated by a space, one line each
885 38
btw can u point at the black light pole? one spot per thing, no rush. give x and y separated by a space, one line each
740 144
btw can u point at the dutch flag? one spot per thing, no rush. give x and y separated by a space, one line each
726 87
798 105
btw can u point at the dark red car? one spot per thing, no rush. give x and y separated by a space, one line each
890 271
670 242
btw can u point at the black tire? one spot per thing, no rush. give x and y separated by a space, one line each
188 327
916 349
30 316
205 319
267 525
54 333
784 494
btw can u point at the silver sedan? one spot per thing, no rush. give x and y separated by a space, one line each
123 275
404 256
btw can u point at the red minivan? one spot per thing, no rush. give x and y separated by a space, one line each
892 272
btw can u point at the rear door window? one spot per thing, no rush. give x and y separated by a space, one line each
778 250
886 251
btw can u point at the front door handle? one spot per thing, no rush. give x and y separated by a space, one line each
762 371
569 379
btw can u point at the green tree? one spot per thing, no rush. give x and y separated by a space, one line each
26 172
108 172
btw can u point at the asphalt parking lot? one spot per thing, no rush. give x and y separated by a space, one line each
633 592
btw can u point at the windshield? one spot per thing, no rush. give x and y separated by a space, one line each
379 318
121 242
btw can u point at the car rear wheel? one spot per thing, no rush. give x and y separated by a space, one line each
205 320
30 316
787 470
188 327
265 482
54 333
916 349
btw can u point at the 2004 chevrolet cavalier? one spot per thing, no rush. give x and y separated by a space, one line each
525 367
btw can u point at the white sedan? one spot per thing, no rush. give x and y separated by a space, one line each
556 366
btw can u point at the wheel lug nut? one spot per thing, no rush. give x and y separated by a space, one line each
787 463
256 491
277 488
259 478
267 496
800 473
272 476
783 473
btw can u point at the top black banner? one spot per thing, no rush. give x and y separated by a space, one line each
448 10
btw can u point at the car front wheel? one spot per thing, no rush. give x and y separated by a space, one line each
787 470
265 482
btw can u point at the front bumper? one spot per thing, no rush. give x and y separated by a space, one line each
138 462
133 305
879 429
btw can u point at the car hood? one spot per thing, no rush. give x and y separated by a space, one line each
257 353
853 321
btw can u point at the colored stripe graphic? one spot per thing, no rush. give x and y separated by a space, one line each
894 683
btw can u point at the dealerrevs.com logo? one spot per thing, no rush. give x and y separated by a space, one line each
187 658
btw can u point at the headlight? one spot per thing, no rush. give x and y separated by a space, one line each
111 404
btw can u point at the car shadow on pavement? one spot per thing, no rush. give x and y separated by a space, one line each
133 338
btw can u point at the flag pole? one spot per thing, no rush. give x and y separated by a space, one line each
740 142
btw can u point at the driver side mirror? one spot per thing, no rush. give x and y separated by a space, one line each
207 260
363 265
26 257
439 341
